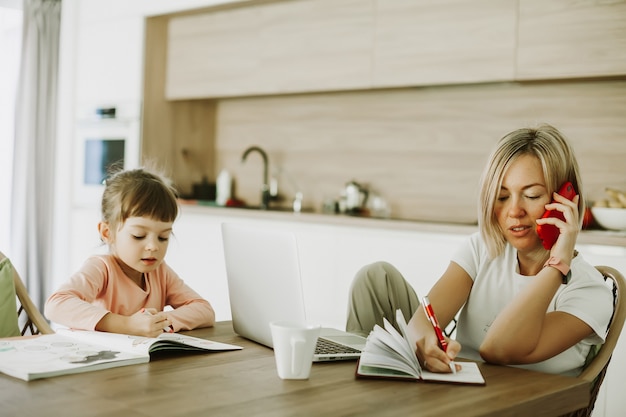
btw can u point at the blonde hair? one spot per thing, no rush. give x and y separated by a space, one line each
558 162
138 193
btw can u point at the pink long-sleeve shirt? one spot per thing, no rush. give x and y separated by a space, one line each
101 286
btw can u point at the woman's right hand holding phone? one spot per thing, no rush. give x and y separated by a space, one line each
568 227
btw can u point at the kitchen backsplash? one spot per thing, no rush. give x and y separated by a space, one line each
420 149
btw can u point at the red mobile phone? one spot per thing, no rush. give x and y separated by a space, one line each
549 233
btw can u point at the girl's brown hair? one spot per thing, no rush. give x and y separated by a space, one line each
138 193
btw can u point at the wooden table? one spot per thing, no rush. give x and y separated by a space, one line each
245 383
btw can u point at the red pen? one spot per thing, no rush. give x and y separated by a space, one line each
430 313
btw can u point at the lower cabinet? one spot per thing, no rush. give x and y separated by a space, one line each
330 256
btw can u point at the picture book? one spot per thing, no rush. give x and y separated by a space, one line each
389 354
73 351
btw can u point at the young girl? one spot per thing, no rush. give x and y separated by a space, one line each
519 303
127 290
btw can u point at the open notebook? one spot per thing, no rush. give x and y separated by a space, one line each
264 285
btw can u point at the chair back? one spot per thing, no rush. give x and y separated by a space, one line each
595 371
30 319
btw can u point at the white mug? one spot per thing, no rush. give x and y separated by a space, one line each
294 345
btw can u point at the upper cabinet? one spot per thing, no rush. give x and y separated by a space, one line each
444 41
570 39
301 46
282 47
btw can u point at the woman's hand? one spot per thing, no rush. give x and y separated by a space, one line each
568 229
433 358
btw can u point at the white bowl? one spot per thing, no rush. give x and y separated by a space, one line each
610 218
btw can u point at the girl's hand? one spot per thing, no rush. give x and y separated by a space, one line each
433 358
148 322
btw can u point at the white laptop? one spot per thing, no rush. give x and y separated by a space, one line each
264 285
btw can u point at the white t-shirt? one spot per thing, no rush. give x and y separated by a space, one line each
497 281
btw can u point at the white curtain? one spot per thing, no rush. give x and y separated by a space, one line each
35 142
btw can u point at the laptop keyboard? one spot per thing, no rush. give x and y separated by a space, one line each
325 346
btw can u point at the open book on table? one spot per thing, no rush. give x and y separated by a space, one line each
73 351
389 354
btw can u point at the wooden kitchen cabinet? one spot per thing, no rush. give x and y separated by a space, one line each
569 39
443 42
282 47
324 45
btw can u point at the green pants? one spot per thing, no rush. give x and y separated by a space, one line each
377 291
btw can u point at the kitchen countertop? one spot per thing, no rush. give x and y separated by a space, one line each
589 237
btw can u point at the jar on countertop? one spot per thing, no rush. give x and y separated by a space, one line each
224 187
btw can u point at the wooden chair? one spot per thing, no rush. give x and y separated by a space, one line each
595 371
30 319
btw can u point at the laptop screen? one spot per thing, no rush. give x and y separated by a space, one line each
263 273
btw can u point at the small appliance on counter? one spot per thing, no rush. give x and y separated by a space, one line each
204 190
224 187
355 198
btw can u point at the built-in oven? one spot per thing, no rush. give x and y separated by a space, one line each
107 139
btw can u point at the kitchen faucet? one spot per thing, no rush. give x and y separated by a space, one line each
265 188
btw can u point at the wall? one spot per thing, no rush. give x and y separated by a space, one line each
101 62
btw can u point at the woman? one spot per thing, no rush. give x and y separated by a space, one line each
517 302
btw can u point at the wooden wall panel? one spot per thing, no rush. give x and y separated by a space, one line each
156 144
422 149
171 127
193 150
